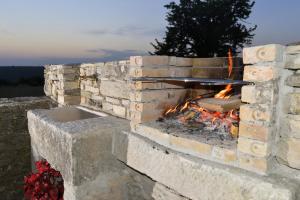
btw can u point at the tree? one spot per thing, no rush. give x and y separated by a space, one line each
205 28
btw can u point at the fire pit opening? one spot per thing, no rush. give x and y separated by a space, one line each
213 114
202 106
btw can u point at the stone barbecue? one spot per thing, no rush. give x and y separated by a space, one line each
236 137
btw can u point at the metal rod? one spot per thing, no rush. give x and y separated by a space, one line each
200 81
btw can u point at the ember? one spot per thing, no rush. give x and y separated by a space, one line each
191 112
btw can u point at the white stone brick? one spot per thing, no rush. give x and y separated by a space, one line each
149 60
266 53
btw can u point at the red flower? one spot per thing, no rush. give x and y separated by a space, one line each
46 184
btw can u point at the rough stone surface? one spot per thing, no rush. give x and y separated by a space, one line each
81 151
289 151
195 178
260 93
293 80
15 161
292 61
266 53
253 147
292 104
260 73
116 89
290 126
149 60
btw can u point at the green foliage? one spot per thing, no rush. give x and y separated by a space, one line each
205 28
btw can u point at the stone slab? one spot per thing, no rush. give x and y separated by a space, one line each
195 178
81 151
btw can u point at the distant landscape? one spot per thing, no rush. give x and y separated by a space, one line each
17 81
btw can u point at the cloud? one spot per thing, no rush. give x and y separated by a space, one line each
111 55
127 30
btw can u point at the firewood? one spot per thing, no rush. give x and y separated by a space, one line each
220 105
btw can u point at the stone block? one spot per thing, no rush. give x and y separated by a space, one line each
259 73
294 49
68 100
67 77
290 126
253 113
73 92
266 53
125 102
117 89
216 62
292 103
86 94
158 95
120 111
160 71
93 90
289 151
255 131
252 163
292 61
293 80
248 94
253 147
81 151
69 85
184 145
114 71
145 116
139 85
225 155
97 97
149 61
107 106
189 145
112 100
152 133
261 94
180 62
195 178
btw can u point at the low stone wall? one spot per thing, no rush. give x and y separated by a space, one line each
15 159
62 83
107 86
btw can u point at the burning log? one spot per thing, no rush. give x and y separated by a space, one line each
220 105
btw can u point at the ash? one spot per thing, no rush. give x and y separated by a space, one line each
201 131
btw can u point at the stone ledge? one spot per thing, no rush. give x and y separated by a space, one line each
196 146
196 178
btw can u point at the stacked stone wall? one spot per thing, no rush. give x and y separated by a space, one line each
62 83
288 141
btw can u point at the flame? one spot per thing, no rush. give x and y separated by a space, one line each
223 94
191 111
230 63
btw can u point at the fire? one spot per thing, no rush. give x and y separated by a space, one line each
189 111
230 63
223 94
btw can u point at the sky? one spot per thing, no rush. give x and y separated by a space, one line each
38 32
